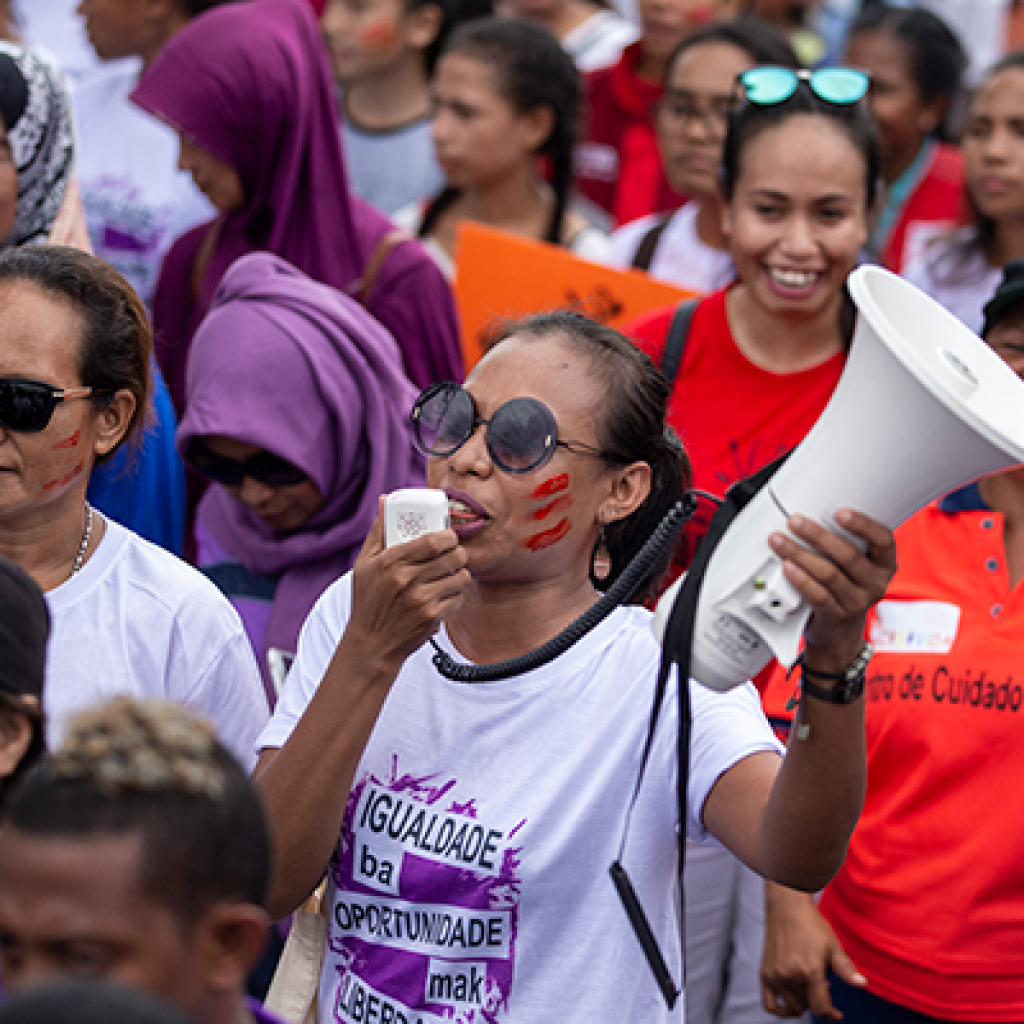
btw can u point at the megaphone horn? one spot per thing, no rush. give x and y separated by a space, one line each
922 407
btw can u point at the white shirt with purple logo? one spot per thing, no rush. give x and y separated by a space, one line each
470 881
137 203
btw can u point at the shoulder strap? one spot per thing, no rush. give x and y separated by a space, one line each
644 255
363 288
675 341
677 647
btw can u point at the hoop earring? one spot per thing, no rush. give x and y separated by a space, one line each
600 561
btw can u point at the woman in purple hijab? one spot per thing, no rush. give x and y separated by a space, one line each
300 436
248 87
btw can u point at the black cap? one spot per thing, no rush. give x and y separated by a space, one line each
1009 294
24 628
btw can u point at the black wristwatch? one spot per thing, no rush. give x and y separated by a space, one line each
850 685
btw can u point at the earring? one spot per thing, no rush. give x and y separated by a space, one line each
600 562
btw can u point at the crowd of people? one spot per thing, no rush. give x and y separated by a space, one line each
228 330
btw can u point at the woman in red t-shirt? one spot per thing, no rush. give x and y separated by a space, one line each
761 360
915 63
763 356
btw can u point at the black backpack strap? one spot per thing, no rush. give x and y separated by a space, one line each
677 647
675 340
644 255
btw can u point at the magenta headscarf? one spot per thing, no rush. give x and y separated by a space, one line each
320 383
251 83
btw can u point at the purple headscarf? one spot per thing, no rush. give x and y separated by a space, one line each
320 383
251 83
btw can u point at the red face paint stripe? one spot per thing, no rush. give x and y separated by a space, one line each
68 442
558 505
66 479
552 486
540 541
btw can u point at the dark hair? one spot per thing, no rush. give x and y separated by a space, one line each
78 1001
749 120
154 769
937 59
193 8
453 14
953 254
630 428
532 71
762 42
14 703
117 341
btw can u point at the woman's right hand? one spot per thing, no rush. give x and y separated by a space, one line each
799 949
401 595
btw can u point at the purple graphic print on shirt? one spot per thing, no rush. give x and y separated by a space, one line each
425 914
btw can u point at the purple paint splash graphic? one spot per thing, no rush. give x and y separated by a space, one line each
425 915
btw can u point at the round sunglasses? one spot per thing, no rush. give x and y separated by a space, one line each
27 406
522 435
769 85
264 467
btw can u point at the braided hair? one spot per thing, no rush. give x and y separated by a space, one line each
532 71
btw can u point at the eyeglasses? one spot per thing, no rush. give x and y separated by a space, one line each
767 86
26 406
522 435
680 108
264 467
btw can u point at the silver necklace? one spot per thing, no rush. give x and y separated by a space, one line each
80 557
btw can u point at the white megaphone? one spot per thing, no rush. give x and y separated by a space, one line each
922 407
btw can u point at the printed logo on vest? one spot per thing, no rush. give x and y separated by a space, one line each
919 627
426 906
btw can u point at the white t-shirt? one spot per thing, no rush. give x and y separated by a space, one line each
471 878
968 291
681 258
599 41
137 203
136 620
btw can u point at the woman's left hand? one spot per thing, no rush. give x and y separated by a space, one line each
838 582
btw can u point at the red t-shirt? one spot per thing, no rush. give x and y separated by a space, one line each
938 199
732 416
618 165
929 902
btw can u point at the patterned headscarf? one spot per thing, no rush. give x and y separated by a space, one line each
37 114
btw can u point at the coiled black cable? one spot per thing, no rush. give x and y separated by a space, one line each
618 592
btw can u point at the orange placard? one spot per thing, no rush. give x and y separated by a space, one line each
503 275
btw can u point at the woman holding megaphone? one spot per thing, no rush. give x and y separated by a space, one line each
922 922
467 828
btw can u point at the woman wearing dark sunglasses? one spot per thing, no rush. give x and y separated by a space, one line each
301 436
468 828
127 617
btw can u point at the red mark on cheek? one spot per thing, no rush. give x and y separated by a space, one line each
558 505
552 486
379 34
68 442
66 479
540 541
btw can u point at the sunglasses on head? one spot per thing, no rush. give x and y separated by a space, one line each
26 406
767 86
521 435
264 467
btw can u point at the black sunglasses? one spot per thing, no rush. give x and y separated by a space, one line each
263 467
522 435
26 406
